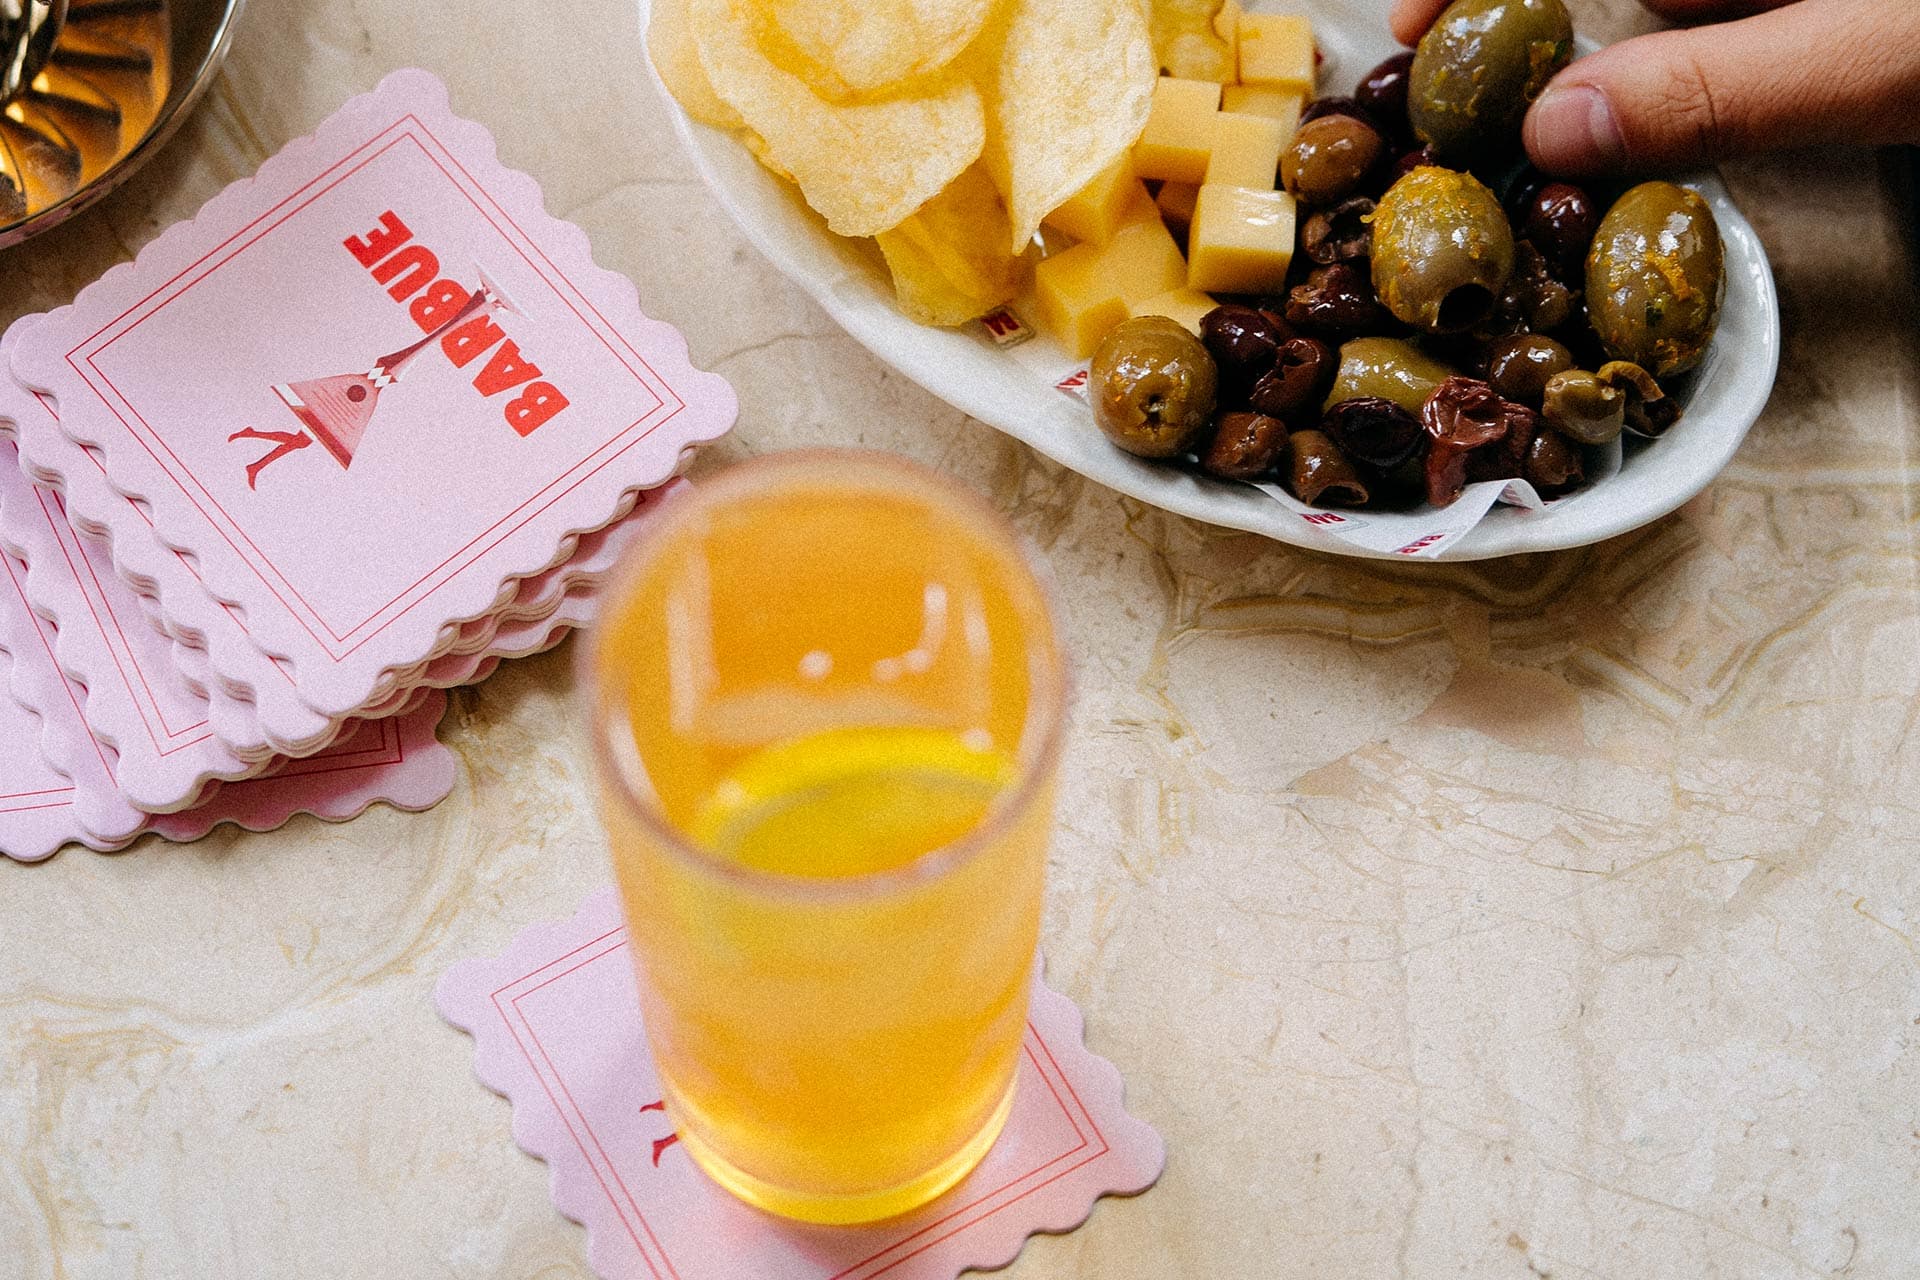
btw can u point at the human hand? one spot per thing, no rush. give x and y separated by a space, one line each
1768 73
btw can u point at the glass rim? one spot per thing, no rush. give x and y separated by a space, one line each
1042 733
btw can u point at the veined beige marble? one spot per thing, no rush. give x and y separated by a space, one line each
1557 916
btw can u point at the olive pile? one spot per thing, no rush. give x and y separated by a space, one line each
1434 333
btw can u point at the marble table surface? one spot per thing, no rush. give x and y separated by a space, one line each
1555 916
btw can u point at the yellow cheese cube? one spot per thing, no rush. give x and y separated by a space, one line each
1266 100
1241 240
1246 150
1176 204
1277 49
1179 131
1093 213
1142 261
1078 302
1184 305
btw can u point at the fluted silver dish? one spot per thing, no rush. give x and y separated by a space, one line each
47 38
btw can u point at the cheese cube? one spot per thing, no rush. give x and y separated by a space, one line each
1277 49
1088 289
1246 150
1241 240
1179 130
1078 302
1176 204
1266 100
1142 261
1184 305
1093 213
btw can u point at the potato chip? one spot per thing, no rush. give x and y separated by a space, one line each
848 49
1067 84
949 260
865 166
671 46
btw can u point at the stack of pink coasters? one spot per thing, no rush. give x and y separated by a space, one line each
369 423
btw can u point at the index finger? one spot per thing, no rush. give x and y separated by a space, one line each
1411 18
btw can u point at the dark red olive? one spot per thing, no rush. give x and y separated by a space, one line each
1460 416
1414 159
1340 234
1375 431
1553 464
1506 458
1532 300
1336 299
1519 365
1560 219
1245 446
1382 92
1333 106
1301 369
1242 341
1318 473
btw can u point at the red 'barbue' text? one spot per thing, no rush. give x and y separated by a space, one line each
411 274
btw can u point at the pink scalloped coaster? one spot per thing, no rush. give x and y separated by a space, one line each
368 389
56 779
272 720
557 1031
165 751
39 805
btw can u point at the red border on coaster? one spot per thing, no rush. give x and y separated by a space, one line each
263 568
577 1123
165 739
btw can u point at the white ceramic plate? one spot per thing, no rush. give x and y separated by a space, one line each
965 369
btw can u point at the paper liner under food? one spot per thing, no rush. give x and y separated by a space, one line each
1420 534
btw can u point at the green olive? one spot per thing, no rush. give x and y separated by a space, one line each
1153 386
1387 368
1479 68
1581 406
1442 249
1655 276
1329 157
1650 410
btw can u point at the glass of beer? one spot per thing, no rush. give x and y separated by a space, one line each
826 700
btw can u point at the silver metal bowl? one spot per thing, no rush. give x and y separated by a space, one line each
200 31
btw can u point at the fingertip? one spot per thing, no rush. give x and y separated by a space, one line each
1410 19
1574 131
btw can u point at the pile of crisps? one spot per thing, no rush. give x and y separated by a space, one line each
944 129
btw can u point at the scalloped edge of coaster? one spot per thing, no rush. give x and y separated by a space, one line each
421 778
148 778
462 997
102 820
54 460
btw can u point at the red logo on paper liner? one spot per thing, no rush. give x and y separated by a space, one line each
1418 544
